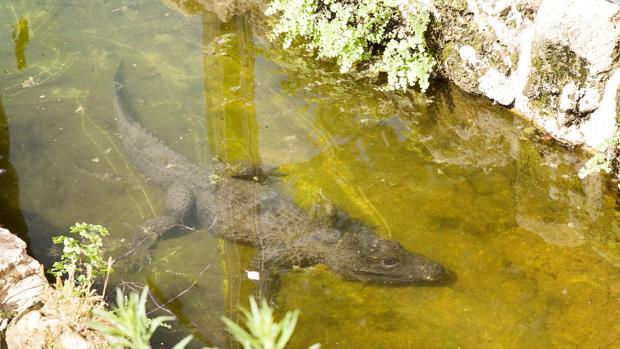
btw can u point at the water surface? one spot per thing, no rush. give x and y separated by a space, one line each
450 176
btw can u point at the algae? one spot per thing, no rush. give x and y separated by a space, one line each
553 66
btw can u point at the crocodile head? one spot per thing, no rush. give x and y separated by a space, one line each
362 256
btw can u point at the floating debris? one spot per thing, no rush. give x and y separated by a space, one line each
252 275
29 82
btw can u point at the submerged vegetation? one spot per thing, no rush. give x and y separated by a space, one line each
383 36
74 301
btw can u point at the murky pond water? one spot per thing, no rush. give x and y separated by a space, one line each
536 250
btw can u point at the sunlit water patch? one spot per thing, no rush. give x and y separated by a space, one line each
535 249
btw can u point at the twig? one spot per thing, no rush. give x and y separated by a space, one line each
157 304
132 250
148 236
107 275
182 292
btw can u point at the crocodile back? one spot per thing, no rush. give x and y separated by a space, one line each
255 214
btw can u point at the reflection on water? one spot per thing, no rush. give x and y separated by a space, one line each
10 213
21 36
536 249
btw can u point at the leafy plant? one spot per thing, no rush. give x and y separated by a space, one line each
264 333
386 34
81 258
73 303
128 326
606 160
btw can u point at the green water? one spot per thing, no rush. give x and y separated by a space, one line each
536 249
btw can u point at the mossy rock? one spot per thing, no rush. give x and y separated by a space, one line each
553 66
455 28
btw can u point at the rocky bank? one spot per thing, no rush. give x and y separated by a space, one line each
556 62
25 323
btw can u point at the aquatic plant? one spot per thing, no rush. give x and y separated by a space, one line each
128 326
81 258
73 303
606 160
76 302
264 333
386 35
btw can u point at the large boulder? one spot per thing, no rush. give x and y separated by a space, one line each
35 330
34 314
555 61
21 277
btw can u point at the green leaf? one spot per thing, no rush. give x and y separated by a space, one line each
183 343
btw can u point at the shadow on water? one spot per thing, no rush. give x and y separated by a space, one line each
230 115
21 37
28 225
11 216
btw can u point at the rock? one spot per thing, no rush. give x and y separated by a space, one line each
34 330
497 87
468 54
23 285
589 28
22 280
568 98
556 61
223 9
589 100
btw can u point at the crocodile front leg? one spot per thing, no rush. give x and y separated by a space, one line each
179 201
244 169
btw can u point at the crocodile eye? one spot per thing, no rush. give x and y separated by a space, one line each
389 262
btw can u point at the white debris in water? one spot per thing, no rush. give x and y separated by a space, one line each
252 275
29 82
95 160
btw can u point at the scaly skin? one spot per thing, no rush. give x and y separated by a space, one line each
251 212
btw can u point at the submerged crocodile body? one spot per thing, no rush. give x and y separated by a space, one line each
254 213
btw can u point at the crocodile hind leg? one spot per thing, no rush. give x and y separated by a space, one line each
179 201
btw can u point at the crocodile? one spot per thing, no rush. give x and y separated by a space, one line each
245 210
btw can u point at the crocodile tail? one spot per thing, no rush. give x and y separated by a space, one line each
118 83
119 76
120 101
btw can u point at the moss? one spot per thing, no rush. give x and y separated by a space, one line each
447 51
526 10
512 24
543 101
553 66
618 106
514 57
